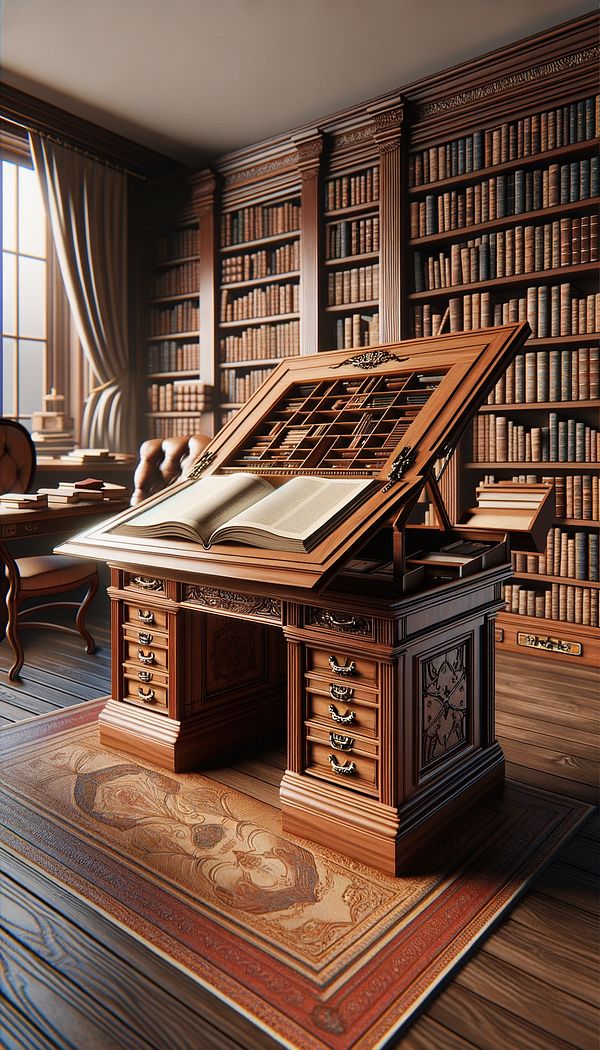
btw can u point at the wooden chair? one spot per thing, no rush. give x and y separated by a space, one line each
42 575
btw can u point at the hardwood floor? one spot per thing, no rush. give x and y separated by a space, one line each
533 984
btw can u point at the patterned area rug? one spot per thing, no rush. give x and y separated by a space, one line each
318 949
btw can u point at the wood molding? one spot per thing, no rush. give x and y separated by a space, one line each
32 113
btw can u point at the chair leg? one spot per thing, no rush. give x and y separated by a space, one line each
81 612
12 634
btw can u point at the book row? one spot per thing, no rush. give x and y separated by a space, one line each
178 281
173 357
551 311
260 302
357 330
261 341
184 317
499 439
258 221
503 196
517 250
571 555
236 387
264 263
177 244
526 137
345 191
180 396
577 495
352 237
178 426
550 375
357 285
560 601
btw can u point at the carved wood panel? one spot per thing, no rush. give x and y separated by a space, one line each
445 702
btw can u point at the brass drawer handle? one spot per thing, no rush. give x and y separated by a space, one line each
341 692
346 770
343 719
145 676
341 743
147 695
146 658
145 638
145 615
346 669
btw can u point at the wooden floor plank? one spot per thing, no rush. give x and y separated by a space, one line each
563 922
540 953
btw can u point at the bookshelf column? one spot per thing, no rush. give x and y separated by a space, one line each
387 119
204 188
309 150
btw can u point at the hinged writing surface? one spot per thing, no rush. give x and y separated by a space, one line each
386 413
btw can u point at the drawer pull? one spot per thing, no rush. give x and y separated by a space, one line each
341 743
346 770
145 615
344 669
147 695
145 638
343 719
341 692
145 676
146 658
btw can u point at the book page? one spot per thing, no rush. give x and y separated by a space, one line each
297 510
198 507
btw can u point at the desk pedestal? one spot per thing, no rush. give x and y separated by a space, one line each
390 702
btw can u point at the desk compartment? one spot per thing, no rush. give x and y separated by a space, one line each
341 665
349 715
145 637
145 676
150 656
152 696
345 760
143 617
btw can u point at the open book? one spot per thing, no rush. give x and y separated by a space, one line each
245 508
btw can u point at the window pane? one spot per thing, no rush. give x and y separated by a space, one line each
31 376
9 354
32 223
32 298
9 294
9 205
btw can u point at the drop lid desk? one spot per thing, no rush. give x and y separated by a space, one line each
390 639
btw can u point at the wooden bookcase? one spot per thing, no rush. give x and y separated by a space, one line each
465 200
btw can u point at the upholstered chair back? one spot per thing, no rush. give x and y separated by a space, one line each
17 457
162 460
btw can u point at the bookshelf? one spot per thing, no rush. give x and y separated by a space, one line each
352 239
503 222
259 308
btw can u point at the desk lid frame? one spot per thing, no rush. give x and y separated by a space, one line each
386 412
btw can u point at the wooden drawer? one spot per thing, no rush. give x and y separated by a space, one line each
146 637
144 585
144 616
150 656
145 676
154 697
341 666
341 716
343 759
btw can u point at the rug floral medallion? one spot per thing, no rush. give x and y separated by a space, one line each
318 949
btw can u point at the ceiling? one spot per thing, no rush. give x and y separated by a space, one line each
199 78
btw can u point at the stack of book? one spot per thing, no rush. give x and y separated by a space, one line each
88 490
23 500
89 455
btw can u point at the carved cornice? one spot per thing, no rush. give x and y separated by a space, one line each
234 602
203 192
353 138
309 152
268 167
387 124
508 83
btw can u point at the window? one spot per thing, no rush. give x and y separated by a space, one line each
24 356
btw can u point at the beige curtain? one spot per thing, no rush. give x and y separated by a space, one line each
86 202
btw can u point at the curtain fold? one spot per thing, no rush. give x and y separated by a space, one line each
86 203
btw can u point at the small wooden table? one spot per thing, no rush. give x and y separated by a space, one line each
38 522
